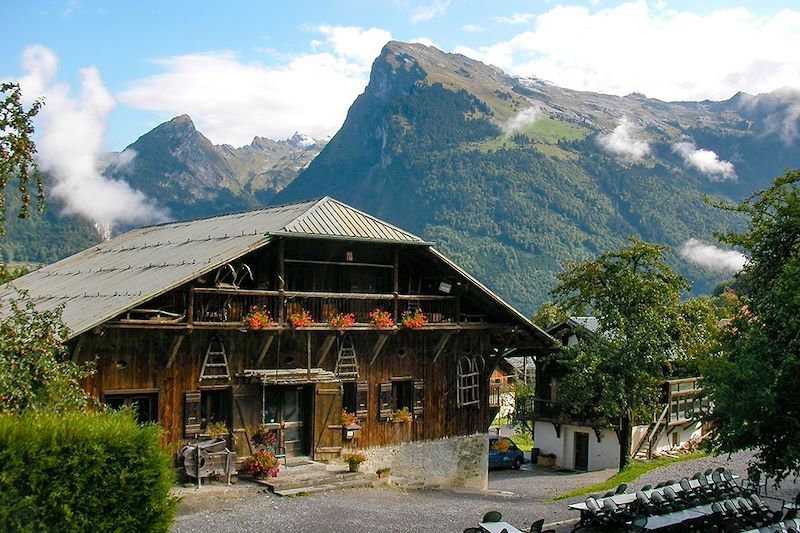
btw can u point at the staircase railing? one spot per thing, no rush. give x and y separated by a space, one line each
655 433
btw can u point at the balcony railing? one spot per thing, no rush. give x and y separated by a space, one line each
530 408
223 306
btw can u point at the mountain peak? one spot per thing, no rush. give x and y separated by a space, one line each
301 140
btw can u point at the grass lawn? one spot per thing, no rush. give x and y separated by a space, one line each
634 470
523 441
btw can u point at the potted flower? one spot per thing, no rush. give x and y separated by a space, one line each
217 430
354 459
381 319
265 437
258 317
300 319
350 426
401 415
342 321
383 472
413 319
262 464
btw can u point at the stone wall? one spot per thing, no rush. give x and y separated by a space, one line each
450 462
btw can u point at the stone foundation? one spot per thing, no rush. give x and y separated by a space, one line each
450 462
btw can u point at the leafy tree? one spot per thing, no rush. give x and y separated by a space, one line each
17 149
549 314
614 377
35 371
754 384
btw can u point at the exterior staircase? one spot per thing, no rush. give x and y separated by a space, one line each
314 478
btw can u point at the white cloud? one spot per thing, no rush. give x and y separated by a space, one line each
706 161
70 142
427 12
423 40
516 18
623 141
665 54
522 119
712 257
471 28
232 101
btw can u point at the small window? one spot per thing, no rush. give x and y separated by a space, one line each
144 403
403 395
349 397
215 406
468 381
362 399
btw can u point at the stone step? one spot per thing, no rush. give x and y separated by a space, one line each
326 486
321 478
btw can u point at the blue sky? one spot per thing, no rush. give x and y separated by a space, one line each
110 71
161 59
269 68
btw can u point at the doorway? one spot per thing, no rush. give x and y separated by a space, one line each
582 451
287 410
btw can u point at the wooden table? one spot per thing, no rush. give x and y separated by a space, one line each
497 527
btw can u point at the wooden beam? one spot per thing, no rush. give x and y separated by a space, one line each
326 347
176 344
78 345
440 347
376 350
264 349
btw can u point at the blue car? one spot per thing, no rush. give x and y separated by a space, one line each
503 453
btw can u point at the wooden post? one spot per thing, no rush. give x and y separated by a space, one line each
396 283
190 305
281 283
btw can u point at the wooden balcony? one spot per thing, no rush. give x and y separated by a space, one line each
530 408
227 307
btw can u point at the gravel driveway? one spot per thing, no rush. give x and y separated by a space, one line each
519 495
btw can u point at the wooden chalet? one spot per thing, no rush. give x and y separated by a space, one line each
582 444
161 310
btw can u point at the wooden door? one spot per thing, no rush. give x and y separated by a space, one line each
582 451
327 421
287 410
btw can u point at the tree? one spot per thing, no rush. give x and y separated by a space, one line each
17 149
548 314
754 383
614 376
35 371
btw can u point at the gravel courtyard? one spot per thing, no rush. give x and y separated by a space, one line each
519 495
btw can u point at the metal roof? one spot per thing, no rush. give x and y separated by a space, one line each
101 282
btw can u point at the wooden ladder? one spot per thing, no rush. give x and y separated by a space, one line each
346 360
215 364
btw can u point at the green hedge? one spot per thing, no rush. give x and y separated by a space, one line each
83 472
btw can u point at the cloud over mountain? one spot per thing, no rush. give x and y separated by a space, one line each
712 257
706 161
71 137
622 141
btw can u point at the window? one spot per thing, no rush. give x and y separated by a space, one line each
400 394
144 402
204 407
469 380
354 398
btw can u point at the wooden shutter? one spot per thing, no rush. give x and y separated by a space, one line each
191 414
327 421
385 400
419 398
362 400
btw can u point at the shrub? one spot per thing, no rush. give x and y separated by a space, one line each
83 472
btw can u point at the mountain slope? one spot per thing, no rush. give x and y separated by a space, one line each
438 143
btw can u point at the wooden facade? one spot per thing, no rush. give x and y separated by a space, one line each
185 357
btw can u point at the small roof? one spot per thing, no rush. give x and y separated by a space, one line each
101 282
